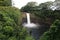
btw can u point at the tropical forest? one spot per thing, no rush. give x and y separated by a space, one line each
31 22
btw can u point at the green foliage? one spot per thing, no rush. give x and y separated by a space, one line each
23 34
29 38
5 2
2 36
12 38
8 29
30 6
9 14
10 24
10 20
53 33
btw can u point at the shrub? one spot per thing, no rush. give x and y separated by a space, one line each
53 33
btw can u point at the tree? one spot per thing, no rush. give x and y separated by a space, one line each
9 26
29 7
45 5
29 38
5 2
53 33
32 4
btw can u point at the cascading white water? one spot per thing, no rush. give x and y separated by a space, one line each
28 18
29 24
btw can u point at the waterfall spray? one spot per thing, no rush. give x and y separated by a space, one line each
29 24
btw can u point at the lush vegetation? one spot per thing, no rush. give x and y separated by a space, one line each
45 13
53 33
10 29
5 2
10 23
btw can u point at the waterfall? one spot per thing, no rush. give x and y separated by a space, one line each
29 24
28 18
